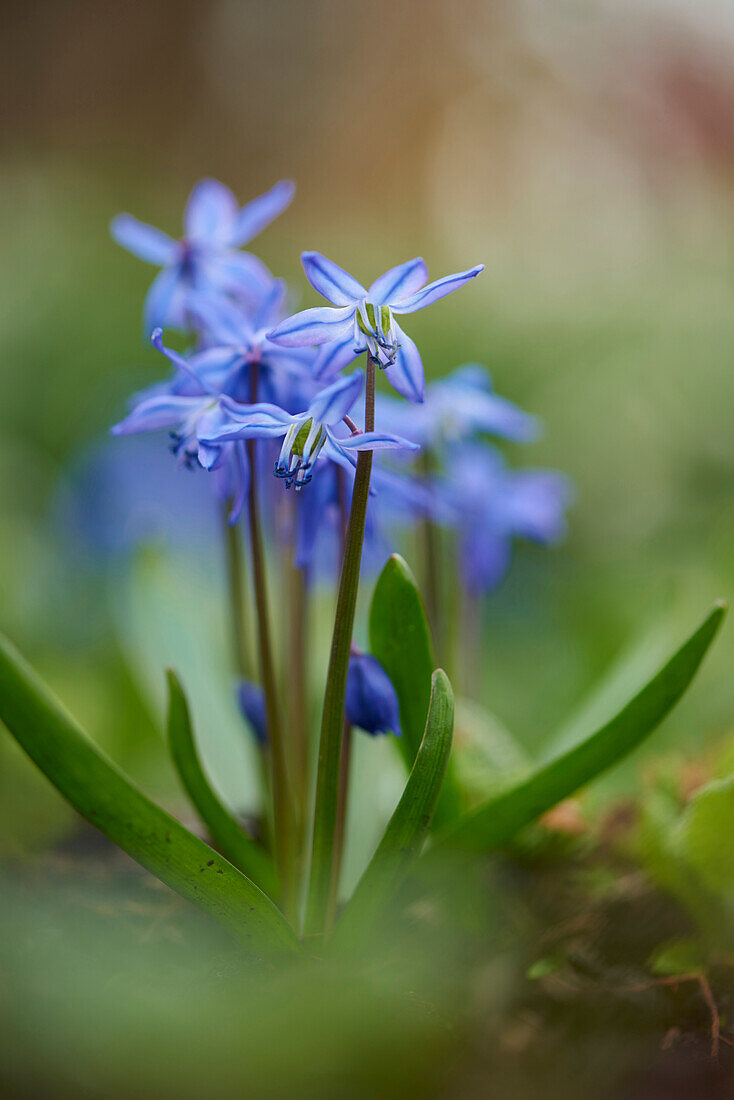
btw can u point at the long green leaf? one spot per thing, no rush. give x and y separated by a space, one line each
400 639
224 827
497 821
409 824
109 800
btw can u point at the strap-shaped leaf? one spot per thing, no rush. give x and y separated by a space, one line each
109 800
497 821
224 827
400 639
409 824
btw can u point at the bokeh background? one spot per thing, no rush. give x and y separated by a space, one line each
583 152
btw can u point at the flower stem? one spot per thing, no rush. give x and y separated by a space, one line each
283 815
321 898
233 553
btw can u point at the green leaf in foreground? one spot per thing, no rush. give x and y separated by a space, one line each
224 827
497 821
409 824
97 788
400 639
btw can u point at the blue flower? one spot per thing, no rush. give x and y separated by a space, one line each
236 343
208 257
364 319
395 499
371 702
491 505
180 406
251 701
305 434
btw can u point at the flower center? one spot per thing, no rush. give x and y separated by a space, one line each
375 323
301 448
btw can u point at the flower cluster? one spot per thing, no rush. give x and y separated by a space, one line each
260 389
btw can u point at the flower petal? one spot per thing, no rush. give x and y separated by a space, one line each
240 274
211 213
434 291
232 421
335 357
178 361
256 215
376 441
224 322
406 373
399 282
337 285
332 404
144 241
313 326
164 303
156 413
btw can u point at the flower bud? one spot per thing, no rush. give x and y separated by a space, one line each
251 701
371 702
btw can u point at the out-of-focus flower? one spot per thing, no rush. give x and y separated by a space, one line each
371 702
363 319
251 701
237 345
179 406
395 500
490 505
208 257
455 409
306 433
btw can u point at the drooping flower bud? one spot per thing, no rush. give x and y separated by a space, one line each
371 702
251 701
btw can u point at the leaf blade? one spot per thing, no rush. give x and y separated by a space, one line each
408 827
101 793
400 639
497 821
224 827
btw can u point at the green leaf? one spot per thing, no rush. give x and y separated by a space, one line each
224 827
497 821
106 797
407 829
679 956
704 835
400 640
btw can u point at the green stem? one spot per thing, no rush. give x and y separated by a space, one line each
431 559
233 552
297 682
321 901
283 815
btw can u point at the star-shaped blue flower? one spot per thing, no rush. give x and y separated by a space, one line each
207 258
365 319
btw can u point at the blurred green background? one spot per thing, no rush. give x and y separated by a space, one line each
583 152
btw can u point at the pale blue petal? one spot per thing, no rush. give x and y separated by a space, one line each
178 361
399 282
406 373
232 421
313 326
211 213
224 322
164 303
376 441
337 285
144 241
156 413
334 357
332 404
434 291
256 215
240 274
